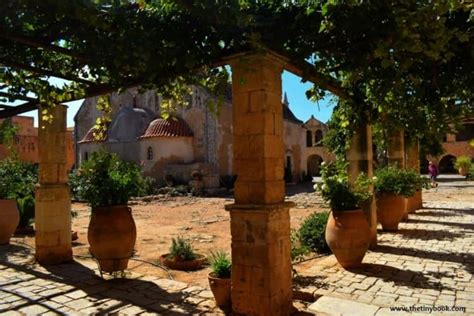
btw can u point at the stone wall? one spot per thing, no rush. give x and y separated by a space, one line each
26 142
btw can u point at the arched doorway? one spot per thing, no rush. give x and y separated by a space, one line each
314 165
446 164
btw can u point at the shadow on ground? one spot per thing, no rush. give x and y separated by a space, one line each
422 280
465 226
144 294
466 259
424 234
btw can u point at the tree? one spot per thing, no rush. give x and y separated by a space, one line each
411 60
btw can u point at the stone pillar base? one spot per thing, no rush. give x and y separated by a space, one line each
53 224
261 259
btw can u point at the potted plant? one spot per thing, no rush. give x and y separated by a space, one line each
106 183
17 183
219 278
196 184
414 202
347 230
463 164
182 256
392 185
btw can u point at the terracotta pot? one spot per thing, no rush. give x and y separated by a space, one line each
9 220
463 171
112 235
417 201
348 236
408 205
390 211
221 290
183 265
414 202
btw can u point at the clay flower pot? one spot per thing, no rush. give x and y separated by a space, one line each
9 220
183 265
348 236
413 202
390 211
112 235
221 289
463 171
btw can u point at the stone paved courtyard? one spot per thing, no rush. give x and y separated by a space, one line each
76 288
428 262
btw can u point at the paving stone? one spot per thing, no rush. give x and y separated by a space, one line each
194 300
337 306
79 304
33 310
76 294
193 289
206 294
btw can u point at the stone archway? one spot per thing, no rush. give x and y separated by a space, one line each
446 164
314 165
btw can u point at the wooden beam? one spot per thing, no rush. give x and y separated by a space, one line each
45 72
19 109
306 71
32 42
17 97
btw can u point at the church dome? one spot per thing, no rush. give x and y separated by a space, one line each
129 124
90 138
171 127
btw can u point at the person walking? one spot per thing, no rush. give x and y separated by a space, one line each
433 171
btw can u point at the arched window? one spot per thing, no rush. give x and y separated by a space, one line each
318 137
86 156
309 139
149 153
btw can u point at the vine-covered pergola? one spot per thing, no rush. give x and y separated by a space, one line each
407 63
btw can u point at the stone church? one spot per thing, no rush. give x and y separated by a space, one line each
194 138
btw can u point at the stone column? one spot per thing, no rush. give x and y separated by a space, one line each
396 148
53 203
360 157
260 221
413 162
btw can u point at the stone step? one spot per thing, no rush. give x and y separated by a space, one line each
342 307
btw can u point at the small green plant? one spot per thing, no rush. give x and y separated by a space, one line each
463 162
398 181
311 232
149 186
181 250
26 207
106 180
17 179
338 192
220 264
470 176
298 250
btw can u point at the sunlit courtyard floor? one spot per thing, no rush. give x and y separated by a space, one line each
429 262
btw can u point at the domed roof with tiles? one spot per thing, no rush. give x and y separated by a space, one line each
94 135
171 127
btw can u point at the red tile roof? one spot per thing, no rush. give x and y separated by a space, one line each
90 137
171 127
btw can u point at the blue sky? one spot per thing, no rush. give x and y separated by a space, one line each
292 85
